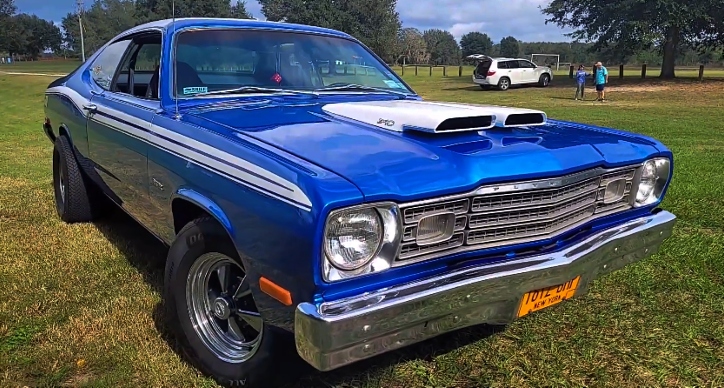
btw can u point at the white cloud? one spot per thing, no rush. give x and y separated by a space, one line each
520 18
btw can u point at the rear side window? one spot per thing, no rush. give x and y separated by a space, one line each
106 64
511 64
502 65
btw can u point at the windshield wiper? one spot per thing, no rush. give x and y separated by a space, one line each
251 90
348 87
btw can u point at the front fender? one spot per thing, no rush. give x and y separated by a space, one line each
207 205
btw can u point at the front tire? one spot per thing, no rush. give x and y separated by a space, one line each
544 80
76 199
209 298
504 83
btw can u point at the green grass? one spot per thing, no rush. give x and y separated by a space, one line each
79 303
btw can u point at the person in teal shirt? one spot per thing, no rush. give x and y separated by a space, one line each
601 81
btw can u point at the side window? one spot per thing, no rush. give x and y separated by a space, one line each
503 65
136 74
512 65
526 65
104 67
148 57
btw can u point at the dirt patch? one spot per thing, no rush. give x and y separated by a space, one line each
640 88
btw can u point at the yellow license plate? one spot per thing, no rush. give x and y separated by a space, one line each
546 297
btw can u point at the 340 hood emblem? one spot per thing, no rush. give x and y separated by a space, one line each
388 123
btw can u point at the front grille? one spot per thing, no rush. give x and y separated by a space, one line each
516 213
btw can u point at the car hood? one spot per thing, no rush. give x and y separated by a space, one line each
407 150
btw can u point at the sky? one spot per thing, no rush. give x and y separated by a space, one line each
519 18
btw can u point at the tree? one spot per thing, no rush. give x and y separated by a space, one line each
443 48
631 26
101 22
412 46
476 43
374 22
509 47
7 9
239 11
189 8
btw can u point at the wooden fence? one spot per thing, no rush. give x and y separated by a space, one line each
623 71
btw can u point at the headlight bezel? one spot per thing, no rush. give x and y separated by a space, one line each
662 170
387 250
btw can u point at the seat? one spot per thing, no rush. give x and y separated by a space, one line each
266 67
186 76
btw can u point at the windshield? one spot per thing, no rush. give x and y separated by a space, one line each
220 60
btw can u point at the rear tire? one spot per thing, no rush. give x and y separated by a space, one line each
504 83
214 315
76 199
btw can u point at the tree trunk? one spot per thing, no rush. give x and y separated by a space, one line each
670 46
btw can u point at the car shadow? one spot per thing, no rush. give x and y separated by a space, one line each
147 254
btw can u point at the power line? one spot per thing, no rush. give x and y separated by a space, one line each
79 3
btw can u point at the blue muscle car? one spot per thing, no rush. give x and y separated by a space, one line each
305 191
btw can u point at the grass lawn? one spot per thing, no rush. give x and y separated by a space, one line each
79 304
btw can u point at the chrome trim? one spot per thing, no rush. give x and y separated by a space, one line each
525 185
337 333
583 198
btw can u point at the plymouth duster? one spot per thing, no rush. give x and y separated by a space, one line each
307 193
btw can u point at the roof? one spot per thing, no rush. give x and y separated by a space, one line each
182 23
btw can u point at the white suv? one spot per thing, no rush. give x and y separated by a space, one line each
505 72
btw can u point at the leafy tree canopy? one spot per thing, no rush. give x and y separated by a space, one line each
374 22
476 43
442 46
627 27
509 47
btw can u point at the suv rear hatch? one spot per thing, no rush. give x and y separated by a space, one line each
481 70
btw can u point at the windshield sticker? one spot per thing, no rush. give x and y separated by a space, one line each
393 84
196 90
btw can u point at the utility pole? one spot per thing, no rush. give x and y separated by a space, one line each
79 3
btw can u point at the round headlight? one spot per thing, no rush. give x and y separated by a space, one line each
654 176
352 238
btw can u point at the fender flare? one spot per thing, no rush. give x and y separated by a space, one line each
207 205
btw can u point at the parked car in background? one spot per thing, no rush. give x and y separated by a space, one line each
306 192
506 72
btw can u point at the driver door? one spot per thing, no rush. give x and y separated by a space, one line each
527 71
119 124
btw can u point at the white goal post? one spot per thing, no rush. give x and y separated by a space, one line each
556 56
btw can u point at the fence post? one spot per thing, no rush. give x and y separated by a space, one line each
415 69
430 70
403 70
460 71
444 71
620 71
570 71
701 72
643 71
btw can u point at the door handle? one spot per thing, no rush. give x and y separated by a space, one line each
90 107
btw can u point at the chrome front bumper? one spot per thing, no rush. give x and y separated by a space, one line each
342 332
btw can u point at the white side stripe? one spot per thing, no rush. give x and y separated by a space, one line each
245 173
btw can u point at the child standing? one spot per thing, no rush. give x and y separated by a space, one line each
581 75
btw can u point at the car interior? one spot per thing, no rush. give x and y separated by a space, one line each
256 64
